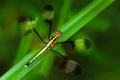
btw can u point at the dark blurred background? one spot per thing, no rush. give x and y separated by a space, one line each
101 62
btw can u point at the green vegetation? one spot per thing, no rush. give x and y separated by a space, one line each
74 20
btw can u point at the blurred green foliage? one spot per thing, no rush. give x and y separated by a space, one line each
100 62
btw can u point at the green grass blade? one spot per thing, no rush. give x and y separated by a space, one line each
18 71
83 17
64 10
23 48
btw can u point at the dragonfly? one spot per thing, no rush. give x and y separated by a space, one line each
70 66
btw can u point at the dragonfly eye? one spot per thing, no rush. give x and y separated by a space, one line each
58 33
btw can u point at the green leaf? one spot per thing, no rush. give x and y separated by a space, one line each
82 18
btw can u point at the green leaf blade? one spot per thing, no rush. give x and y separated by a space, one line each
82 18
